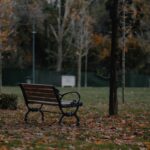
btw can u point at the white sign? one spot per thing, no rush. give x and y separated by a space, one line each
67 80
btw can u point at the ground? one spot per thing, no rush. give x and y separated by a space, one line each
129 130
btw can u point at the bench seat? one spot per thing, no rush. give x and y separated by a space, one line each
63 103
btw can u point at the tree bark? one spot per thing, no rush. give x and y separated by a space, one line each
0 72
123 54
79 71
59 58
113 102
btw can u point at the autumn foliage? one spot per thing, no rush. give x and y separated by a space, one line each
103 44
7 28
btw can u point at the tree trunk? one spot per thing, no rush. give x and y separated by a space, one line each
79 71
59 58
85 75
113 102
123 54
60 38
0 72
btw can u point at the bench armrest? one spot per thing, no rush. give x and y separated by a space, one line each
76 97
72 100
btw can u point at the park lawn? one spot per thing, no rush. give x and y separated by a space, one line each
129 130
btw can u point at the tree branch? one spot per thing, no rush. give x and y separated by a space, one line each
54 32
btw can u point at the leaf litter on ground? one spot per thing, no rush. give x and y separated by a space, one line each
128 128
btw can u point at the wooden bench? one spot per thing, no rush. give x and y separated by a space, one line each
49 95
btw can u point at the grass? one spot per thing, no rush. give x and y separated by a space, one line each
101 94
129 130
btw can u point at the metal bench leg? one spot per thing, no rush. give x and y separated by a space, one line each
61 118
77 120
42 114
26 116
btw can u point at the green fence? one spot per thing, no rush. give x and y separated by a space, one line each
137 80
15 76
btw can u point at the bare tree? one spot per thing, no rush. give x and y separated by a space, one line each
81 28
62 29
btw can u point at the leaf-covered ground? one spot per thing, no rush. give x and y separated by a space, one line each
129 130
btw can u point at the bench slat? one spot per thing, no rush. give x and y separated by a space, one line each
43 102
25 85
44 90
35 98
35 93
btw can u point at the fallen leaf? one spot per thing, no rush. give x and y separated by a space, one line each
118 141
142 125
98 142
3 147
147 144
1 138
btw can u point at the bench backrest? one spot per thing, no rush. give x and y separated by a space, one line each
39 92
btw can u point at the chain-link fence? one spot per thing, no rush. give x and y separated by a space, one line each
13 77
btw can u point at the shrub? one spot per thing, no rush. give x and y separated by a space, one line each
8 101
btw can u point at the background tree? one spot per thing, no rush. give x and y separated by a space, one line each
141 34
7 30
113 101
82 31
29 15
136 24
137 39
61 13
